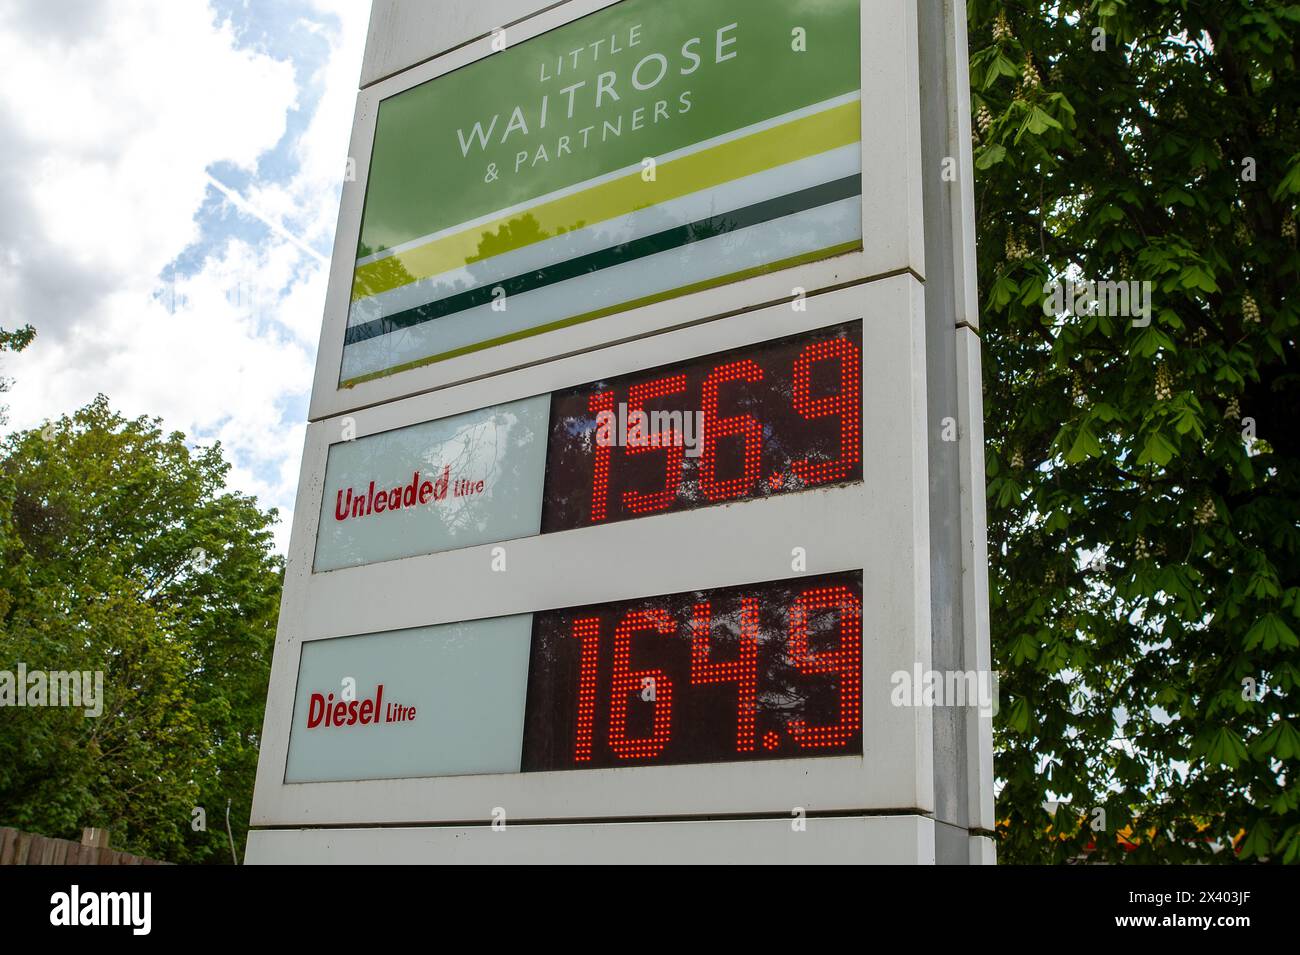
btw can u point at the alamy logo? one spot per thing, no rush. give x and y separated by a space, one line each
103 908
73 688
976 689
1108 299
651 429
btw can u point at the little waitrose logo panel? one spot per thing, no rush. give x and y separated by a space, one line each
470 479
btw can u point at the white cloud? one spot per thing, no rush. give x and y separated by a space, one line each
322 149
113 116
110 133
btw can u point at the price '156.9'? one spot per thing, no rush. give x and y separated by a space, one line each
767 419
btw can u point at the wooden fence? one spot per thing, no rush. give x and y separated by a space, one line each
25 848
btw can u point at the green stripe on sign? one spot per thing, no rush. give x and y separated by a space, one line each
641 78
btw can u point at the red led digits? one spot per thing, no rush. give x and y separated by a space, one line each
587 630
845 660
601 404
847 405
742 671
627 681
642 440
758 671
747 426
769 418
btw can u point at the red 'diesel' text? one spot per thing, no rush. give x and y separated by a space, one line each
324 710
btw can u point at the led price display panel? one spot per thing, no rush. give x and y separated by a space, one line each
752 422
765 671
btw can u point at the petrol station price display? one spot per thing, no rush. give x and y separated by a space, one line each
766 671
772 418
767 419
761 671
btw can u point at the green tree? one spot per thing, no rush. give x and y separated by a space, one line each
14 341
1144 505
121 552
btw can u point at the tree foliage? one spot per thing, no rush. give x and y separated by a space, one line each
1144 505
14 341
121 552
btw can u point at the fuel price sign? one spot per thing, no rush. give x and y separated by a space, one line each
758 672
773 418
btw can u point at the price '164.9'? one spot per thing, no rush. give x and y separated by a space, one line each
766 671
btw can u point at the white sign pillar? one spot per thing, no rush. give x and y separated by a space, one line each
642 496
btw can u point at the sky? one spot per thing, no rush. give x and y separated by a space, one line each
170 173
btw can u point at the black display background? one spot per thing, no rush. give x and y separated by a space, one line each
788 436
704 717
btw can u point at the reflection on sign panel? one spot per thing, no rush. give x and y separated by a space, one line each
620 160
469 479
